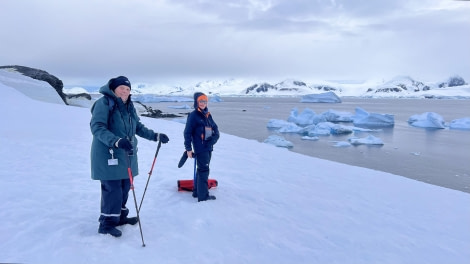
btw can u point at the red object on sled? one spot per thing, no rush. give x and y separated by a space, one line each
188 185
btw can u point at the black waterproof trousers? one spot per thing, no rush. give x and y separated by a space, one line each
203 160
114 195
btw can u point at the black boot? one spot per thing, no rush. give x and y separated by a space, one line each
209 197
110 230
128 220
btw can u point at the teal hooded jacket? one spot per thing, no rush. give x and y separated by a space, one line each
108 126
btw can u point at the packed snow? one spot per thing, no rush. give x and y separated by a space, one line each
273 205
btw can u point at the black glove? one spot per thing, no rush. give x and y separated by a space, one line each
125 144
183 159
162 137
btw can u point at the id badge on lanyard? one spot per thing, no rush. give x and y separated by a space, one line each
208 133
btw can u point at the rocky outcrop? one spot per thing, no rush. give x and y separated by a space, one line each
40 75
150 112
80 95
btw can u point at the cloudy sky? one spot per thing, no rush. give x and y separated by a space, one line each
86 42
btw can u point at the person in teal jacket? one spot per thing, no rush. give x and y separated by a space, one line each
114 125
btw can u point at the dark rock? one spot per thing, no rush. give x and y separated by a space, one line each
80 95
155 113
264 87
456 81
41 75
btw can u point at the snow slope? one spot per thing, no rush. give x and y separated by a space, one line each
273 206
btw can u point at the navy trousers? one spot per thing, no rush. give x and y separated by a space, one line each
203 160
114 195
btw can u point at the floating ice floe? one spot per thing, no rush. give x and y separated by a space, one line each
328 97
150 98
179 106
310 138
341 144
337 116
369 140
215 99
277 123
461 123
278 141
364 118
305 118
427 120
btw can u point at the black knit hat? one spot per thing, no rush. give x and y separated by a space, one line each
121 80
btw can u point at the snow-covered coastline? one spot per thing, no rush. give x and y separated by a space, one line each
398 87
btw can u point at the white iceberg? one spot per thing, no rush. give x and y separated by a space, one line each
461 123
337 116
278 141
341 144
179 106
310 138
364 118
290 128
427 120
215 98
307 117
328 97
369 140
277 123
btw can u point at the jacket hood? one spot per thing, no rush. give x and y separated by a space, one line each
105 90
196 95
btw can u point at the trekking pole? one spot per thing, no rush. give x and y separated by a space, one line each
150 172
131 178
195 178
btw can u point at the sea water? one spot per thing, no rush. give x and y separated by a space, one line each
435 156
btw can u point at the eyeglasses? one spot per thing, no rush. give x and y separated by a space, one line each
202 101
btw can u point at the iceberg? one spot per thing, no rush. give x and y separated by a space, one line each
337 116
150 98
278 141
328 97
369 140
307 117
427 120
310 138
277 123
364 118
320 129
341 144
215 99
179 106
290 128
461 123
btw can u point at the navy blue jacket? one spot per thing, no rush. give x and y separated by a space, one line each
195 130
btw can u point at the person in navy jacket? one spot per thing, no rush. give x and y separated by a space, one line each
202 133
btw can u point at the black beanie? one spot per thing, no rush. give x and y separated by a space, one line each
121 80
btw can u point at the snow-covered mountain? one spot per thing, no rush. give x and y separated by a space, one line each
398 87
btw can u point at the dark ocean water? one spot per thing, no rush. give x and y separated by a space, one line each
436 156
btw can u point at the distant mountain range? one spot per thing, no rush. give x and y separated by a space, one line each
398 87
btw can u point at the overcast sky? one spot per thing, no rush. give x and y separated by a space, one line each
86 42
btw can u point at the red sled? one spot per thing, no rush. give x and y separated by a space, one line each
188 185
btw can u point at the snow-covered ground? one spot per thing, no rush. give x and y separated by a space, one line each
273 205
